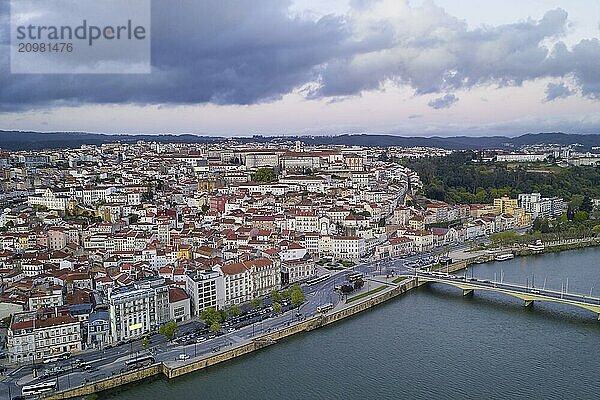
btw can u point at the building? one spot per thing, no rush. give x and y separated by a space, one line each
50 200
98 329
348 247
238 283
206 288
521 157
32 335
246 280
132 313
179 305
541 207
505 205
297 270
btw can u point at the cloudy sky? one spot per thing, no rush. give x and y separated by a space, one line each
407 67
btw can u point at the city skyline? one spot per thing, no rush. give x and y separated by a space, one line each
414 68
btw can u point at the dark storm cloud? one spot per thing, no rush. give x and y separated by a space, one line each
557 91
443 102
244 52
224 52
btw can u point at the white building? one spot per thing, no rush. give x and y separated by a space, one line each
132 313
206 288
49 199
348 247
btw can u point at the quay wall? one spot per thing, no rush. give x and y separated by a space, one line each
173 370
108 383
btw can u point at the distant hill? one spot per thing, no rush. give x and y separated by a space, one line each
21 140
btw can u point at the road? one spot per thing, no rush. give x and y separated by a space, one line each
111 361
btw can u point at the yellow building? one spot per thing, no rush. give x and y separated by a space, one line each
184 251
506 205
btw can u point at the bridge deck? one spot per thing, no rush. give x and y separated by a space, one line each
528 294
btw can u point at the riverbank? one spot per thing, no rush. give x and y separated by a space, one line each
395 287
173 369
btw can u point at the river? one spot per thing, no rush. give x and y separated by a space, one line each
429 344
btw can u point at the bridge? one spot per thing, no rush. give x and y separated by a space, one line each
525 293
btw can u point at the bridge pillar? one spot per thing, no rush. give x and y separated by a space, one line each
528 303
469 292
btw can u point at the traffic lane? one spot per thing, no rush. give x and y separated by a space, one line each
111 357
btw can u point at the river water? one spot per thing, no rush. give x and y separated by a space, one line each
429 344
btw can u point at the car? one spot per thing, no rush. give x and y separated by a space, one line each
230 330
183 357
200 339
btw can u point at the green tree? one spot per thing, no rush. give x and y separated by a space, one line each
234 310
211 316
264 175
508 237
581 216
297 296
215 327
145 342
168 330
275 296
277 308
257 302
286 294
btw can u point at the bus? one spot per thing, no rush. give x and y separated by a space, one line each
355 276
56 357
323 308
318 279
38 388
140 361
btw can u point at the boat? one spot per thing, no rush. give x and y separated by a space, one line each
537 246
504 257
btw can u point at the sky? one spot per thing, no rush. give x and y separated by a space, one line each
277 67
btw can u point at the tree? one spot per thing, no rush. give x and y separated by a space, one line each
587 205
168 330
297 296
234 310
264 175
145 342
275 296
215 327
581 216
211 316
257 302
133 218
287 294
508 237
277 308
